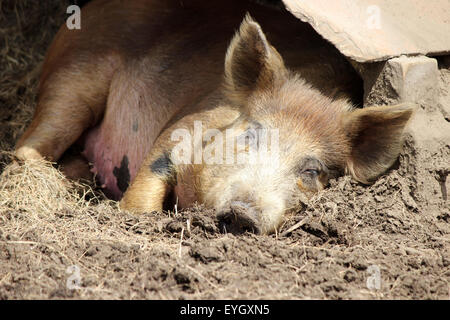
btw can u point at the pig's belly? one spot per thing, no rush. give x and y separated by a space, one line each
116 149
114 158
133 119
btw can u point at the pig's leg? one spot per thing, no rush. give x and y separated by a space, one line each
152 184
69 103
53 130
75 167
146 193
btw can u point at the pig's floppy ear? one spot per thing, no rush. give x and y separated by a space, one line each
251 63
375 135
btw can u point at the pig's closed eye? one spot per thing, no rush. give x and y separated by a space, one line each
311 172
310 167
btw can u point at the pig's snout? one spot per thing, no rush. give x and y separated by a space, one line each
239 217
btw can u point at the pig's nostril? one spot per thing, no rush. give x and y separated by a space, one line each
238 219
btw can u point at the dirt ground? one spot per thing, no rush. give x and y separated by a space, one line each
54 232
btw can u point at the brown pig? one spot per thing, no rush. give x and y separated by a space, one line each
143 89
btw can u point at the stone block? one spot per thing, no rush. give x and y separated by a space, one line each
402 79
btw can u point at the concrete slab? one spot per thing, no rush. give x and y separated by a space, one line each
375 30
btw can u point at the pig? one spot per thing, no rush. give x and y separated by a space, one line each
133 90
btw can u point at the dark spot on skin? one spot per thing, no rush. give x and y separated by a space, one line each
162 166
122 174
135 125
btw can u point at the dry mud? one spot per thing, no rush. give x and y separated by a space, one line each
51 228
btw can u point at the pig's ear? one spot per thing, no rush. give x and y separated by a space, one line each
251 63
375 135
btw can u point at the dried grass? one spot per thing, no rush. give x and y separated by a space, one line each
37 187
26 30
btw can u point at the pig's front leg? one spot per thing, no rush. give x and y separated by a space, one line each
146 194
150 187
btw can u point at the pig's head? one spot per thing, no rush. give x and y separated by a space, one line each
312 138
